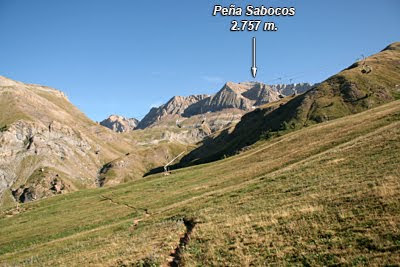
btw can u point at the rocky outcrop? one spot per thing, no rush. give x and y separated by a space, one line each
44 182
175 106
27 146
120 124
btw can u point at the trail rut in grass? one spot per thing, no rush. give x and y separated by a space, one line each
183 242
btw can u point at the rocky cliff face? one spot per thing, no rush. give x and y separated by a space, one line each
27 146
120 124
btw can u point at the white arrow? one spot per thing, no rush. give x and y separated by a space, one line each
254 67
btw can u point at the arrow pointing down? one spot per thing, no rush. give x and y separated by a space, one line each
254 67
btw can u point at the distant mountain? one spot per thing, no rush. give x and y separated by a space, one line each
363 85
119 123
239 96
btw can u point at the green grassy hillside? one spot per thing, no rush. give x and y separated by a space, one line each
327 194
364 85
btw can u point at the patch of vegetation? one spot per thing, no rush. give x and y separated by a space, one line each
4 128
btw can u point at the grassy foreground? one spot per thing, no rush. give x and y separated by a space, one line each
324 195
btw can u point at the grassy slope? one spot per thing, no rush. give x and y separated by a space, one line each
326 194
345 93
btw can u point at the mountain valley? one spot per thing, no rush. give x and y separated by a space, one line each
255 174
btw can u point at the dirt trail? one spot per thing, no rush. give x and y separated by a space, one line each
176 256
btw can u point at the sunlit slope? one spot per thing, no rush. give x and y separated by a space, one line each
326 194
364 85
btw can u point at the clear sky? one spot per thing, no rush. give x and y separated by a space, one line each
122 57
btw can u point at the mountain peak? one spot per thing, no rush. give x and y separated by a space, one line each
238 88
119 123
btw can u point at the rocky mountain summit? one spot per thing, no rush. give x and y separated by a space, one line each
119 123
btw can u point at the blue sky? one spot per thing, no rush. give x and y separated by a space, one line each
121 57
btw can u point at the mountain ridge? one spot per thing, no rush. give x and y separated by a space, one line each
241 96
